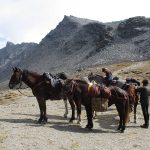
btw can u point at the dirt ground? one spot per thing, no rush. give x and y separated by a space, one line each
19 129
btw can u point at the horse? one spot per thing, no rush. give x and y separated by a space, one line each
40 89
101 80
78 92
129 85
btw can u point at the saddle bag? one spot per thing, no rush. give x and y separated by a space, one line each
99 104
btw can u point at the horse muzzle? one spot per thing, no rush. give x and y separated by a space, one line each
11 86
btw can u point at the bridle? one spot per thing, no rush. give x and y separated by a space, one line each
22 75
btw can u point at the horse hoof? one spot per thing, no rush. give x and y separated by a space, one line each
119 128
44 121
89 127
39 121
65 116
70 121
122 131
79 122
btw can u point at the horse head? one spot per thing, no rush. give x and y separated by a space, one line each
15 78
97 78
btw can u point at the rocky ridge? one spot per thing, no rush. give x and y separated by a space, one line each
78 43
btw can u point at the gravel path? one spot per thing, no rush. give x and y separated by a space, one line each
19 129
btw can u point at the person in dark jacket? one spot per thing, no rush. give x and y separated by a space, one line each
144 99
108 75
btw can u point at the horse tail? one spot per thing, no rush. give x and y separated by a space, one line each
127 110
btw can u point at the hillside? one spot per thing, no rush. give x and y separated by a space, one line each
78 43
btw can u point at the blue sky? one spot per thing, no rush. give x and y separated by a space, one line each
30 20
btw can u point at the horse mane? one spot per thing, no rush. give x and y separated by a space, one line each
62 76
99 75
26 72
80 81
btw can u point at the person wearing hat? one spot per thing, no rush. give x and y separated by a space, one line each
144 99
108 75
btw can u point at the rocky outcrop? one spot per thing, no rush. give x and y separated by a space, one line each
14 55
133 27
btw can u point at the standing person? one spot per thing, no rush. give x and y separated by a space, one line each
108 75
144 99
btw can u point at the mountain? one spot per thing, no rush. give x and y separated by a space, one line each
77 43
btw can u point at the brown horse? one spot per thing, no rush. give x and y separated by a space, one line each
40 89
133 98
129 87
78 93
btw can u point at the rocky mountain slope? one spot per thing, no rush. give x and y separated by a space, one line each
78 43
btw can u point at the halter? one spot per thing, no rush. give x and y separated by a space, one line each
20 82
21 78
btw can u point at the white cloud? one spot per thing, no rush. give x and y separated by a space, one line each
31 20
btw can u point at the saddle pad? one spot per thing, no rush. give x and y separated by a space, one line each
99 104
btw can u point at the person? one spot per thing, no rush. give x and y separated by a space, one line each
108 75
144 99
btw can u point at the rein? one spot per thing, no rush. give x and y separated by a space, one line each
23 93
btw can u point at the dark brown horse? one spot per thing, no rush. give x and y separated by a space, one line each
129 87
40 89
78 93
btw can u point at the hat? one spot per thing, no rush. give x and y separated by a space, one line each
145 81
103 69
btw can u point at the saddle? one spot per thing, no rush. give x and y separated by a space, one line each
55 82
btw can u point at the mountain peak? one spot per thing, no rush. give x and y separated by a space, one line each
9 44
81 21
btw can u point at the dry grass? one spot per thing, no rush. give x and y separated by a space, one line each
136 70
12 95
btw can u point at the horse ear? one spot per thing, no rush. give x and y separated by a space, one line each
13 68
16 68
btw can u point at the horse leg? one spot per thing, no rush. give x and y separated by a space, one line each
71 101
44 112
123 121
78 105
124 114
135 107
89 113
42 106
41 110
120 116
66 108
94 114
